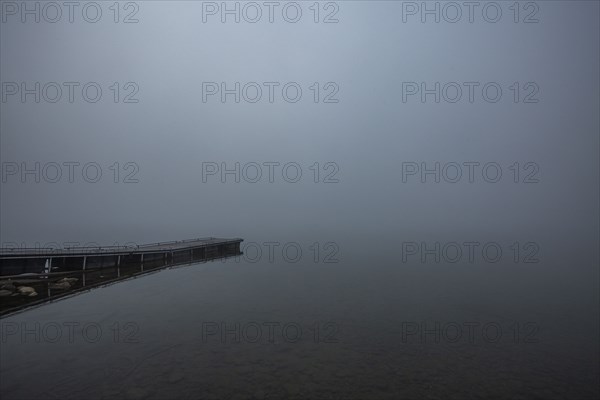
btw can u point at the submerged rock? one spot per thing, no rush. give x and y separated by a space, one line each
59 285
70 281
26 290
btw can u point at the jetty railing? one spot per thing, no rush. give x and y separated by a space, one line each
44 260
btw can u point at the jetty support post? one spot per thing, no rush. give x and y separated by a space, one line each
83 270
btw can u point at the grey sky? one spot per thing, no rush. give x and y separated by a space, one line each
368 134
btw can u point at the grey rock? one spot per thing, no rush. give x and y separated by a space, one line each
26 290
70 281
59 285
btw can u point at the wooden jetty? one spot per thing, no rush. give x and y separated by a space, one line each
31 277
18 261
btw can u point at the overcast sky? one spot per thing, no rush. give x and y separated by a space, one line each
363 61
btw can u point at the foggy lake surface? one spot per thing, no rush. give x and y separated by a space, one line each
421 223
159 336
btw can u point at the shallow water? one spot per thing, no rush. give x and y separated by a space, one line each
259 328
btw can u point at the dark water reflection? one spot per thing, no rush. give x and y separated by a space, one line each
160 336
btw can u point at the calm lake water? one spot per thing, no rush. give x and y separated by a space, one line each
370 325
428 185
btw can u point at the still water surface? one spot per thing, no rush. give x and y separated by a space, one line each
369 325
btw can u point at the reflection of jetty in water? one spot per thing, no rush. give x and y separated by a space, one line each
33 276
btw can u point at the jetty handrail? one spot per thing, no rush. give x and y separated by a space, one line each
108 246
96 247
175 242
64 250
85 250
27 248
